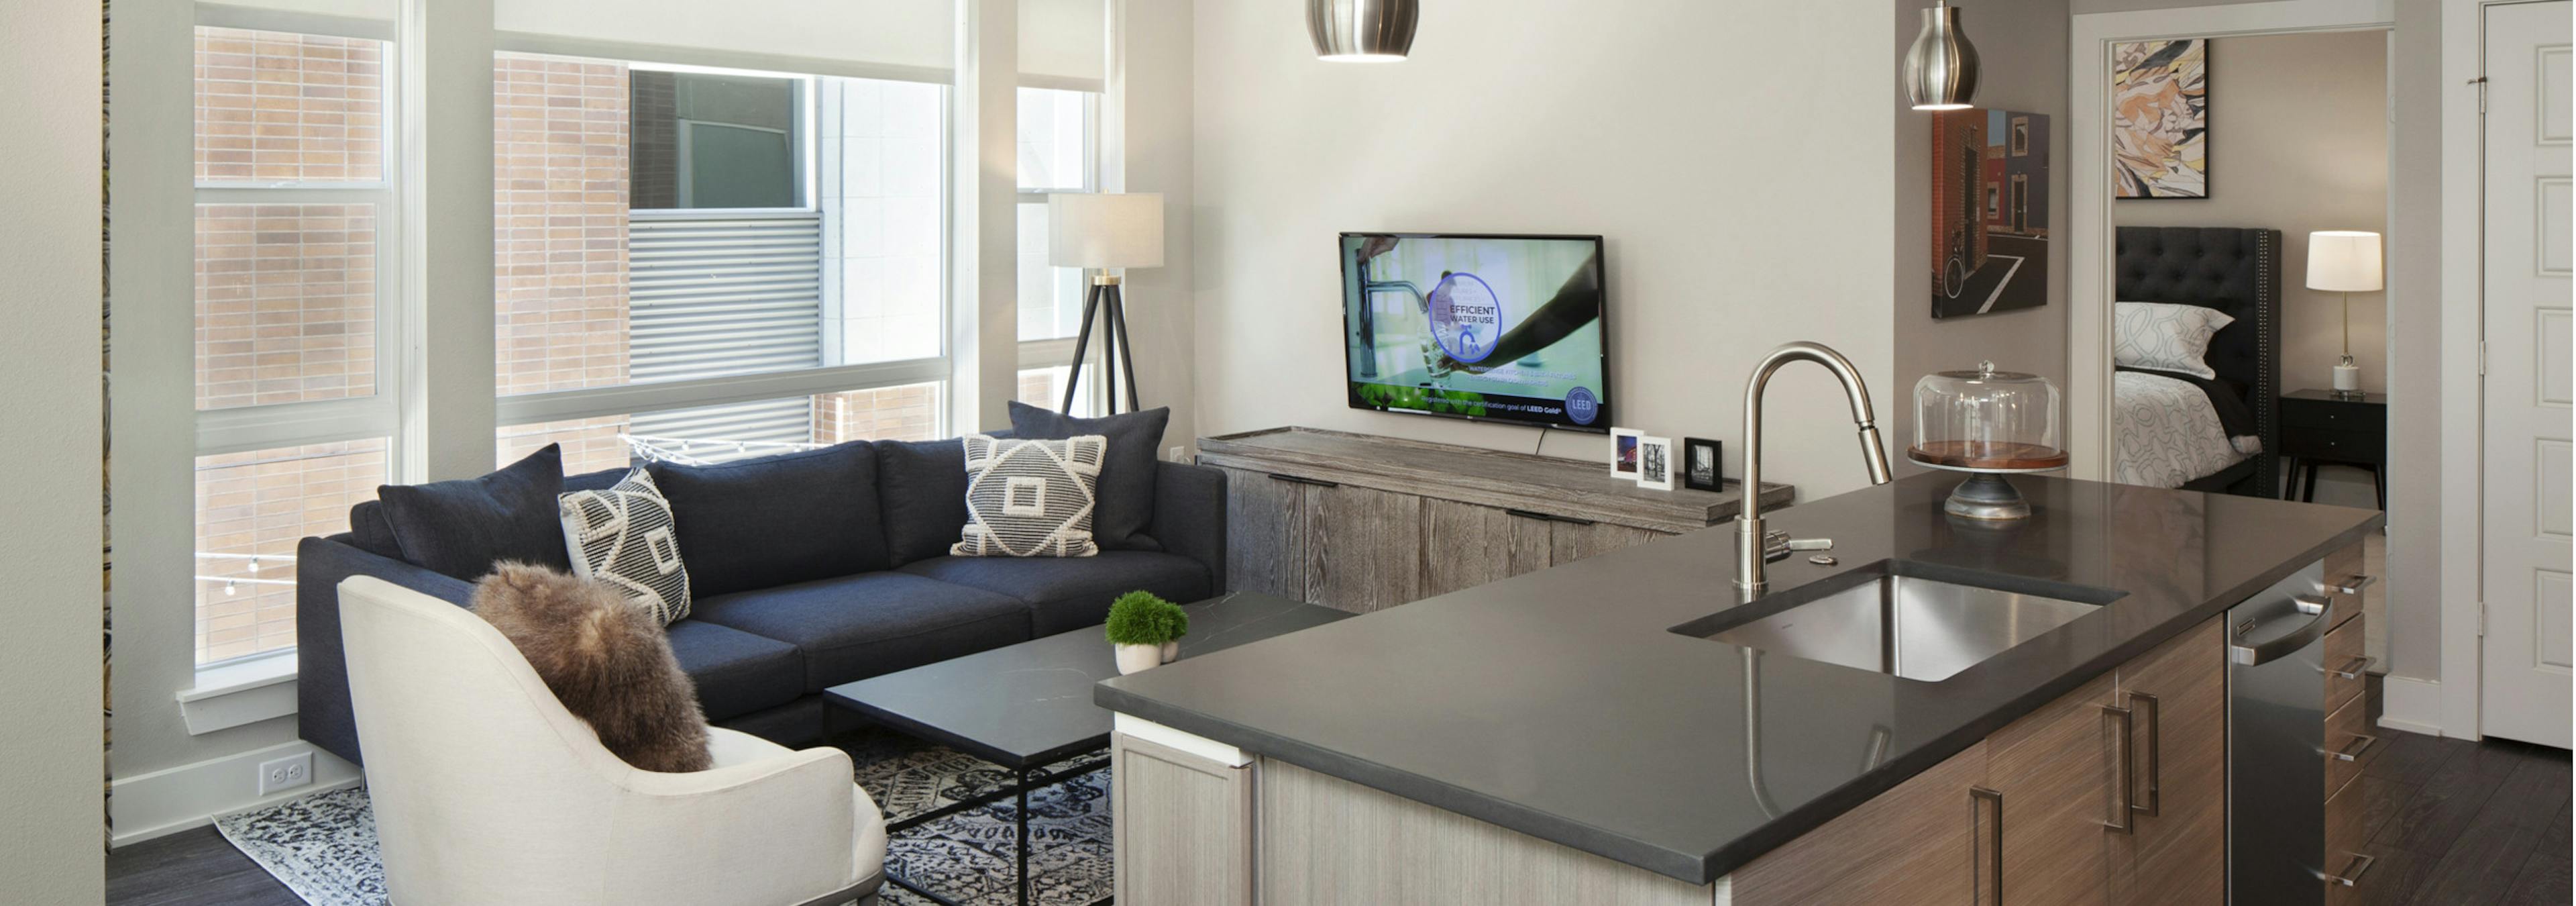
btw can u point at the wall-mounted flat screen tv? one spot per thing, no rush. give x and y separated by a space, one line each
1491 328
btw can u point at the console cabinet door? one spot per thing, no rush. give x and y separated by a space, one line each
1363 547
1465 545
1922 842
1265 528
2054 769
1574 540
2177 698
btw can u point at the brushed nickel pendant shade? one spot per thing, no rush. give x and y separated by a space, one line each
1941 67
1361 31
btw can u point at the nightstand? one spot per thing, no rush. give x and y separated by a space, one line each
2320 428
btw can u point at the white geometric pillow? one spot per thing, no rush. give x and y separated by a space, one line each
2163 336
622 536
1030 498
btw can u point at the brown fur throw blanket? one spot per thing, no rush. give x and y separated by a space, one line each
605 658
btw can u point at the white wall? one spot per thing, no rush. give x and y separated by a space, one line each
49 361
1735 155
1145 147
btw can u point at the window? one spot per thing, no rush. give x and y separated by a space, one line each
718 433
1056 140
293 326
666 231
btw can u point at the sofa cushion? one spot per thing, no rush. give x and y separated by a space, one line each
1126 479
737 673
854 627
921 495
461 528
776 520
1065 594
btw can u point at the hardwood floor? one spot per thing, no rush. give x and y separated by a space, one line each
2451 822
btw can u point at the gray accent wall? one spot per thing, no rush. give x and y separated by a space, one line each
2023 46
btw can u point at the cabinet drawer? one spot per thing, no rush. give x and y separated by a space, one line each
2352 416
2344 570
2346 819
2351 743
2323 443
2345 665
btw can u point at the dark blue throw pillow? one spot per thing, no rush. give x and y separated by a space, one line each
776 520
1126 491
461 528
921 486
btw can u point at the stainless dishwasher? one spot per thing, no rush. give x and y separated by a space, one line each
2276 770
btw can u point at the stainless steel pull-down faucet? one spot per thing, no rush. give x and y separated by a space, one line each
1753 545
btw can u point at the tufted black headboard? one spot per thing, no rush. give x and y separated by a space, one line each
2236 270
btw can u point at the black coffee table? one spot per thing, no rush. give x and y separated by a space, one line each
1027 706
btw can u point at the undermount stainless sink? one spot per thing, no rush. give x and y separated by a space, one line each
1913 620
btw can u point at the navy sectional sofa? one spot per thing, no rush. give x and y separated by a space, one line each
808 570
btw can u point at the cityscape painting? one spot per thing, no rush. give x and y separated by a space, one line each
1989 211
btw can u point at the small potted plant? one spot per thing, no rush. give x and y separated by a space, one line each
1145 630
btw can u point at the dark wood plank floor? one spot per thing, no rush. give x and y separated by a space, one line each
2451 822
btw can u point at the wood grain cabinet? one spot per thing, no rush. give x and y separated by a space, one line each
2041 812
1365 523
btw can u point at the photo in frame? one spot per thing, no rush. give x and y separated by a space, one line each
1655 463
1623 453
1702 459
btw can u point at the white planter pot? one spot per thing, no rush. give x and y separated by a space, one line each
1132 658
1171 651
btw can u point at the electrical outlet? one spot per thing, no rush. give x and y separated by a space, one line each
285 773
1175 454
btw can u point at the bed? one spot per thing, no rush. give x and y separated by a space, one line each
2170 431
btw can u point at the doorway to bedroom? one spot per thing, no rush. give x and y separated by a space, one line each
2242 200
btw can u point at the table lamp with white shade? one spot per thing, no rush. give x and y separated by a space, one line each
1104 232
2347 262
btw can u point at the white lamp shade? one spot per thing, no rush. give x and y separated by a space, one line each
2345 261
1105 230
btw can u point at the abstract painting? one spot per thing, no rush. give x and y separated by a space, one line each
1990 211
2160 119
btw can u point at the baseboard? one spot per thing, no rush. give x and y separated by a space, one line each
164 802
2412 705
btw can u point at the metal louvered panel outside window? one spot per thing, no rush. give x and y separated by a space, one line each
716 295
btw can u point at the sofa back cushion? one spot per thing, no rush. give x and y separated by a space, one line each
461 528
776 520
921 488
1126 491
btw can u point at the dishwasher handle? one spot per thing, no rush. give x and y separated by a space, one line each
2276 649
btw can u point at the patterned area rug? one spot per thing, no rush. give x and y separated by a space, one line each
323 846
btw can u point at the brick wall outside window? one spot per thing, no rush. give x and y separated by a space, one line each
277 107
559 205
262 502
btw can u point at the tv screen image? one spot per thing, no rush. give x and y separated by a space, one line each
1494 328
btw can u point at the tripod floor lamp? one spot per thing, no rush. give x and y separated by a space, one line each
1104 232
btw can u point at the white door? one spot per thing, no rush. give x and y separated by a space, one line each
2530 447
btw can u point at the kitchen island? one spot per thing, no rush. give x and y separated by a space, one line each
1555 723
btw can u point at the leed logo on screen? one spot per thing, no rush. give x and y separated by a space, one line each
1466 317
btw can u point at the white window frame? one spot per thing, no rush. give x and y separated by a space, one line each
378 415
1057 352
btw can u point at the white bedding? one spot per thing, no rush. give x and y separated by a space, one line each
2169 433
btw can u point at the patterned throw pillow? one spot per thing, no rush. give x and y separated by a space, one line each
2163 336
1031 498
623 537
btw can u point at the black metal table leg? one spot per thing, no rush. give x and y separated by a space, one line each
1024 836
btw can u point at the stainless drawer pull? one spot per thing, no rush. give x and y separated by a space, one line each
2155 757
2353 752
2352 585
2254 655
2353 669
2121 811
1994 861
2352 873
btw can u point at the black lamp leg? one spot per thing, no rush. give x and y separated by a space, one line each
1126 355
1081 344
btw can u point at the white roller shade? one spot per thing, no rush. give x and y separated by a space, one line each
1064 44
863 38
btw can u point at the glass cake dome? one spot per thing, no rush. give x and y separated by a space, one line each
1991 422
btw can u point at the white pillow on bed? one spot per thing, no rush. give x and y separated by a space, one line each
2163 336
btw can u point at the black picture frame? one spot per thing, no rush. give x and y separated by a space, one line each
1690 470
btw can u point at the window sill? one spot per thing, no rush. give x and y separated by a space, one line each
243 692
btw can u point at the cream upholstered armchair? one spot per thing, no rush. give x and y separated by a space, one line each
488 793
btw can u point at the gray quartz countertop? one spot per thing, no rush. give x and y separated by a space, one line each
1558 703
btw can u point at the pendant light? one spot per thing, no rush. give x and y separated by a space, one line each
1361 31
1941 67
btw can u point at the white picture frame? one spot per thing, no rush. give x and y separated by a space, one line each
1623 453
1655 463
